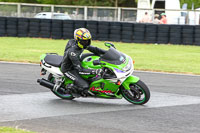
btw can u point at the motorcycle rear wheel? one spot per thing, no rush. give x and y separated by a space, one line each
138 94
60 93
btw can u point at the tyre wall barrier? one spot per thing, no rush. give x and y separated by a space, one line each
103 31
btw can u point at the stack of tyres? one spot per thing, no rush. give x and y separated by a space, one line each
45 28
92 26
34 27
139 33
175 34
151 33
115 32
103 31
163 34
2 26
68 29
187 34
127 32
56 29
79 24
197 35
23 27
11 27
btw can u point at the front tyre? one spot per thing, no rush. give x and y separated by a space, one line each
138 94
60 93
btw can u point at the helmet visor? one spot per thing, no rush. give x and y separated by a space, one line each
85 43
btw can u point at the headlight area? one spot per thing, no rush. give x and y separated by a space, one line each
128 66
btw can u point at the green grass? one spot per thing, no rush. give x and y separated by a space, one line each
167 58
13 130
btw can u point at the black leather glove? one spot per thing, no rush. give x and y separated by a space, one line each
97 72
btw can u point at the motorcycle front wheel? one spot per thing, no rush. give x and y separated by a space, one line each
59 93
138 94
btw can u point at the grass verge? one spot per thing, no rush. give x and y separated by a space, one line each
165 58
13 130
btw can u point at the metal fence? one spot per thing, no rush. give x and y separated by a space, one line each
191 17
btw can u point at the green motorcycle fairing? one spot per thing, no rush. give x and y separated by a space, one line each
130 80
103 87
43 56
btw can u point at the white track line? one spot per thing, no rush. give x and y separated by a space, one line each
39 105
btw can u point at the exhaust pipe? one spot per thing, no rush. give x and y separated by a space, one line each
45 83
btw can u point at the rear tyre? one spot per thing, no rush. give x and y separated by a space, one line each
59 93
138 94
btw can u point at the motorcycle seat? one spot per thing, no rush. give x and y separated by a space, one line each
54 60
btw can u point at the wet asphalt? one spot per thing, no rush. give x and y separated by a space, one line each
174 106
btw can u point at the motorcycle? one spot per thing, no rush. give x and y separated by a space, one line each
116 82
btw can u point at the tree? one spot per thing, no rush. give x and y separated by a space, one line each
189 3
47 1
123 3
22 1
116 3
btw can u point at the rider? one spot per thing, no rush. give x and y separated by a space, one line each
71 63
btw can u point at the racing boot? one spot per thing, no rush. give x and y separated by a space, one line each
73 90
84 93
77 91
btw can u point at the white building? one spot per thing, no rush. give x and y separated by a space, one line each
171 8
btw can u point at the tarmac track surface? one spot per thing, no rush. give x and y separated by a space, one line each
174 106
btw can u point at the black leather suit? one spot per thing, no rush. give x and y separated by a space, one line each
71 63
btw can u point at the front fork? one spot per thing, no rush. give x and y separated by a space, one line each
130 80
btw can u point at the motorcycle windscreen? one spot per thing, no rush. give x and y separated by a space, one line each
113 56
